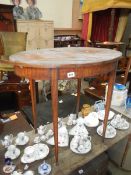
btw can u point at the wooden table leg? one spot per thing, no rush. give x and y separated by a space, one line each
78 96
112 76
33 100
54 97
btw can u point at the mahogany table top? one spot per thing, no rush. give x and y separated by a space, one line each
59 57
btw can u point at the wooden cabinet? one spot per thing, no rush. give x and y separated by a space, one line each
20 89
40 33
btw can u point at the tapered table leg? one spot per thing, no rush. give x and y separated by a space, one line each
112 76
54 97
33 100
78 96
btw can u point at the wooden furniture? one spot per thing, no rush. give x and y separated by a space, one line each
65 63
40 33
128 46
68 40
7 22
69 162
20 89
97 88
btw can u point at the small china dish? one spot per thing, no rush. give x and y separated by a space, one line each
8 169
22 138
119 123
22 142
91 120
81 144
101 115
110 131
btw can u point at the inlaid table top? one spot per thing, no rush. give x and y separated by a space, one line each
57 57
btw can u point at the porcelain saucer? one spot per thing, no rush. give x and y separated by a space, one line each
122 124
101 114
11 155
110 131
22 142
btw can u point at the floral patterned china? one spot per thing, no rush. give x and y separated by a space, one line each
119 122
22 138
81 144
110 131
35 152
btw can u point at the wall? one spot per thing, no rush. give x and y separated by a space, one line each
60 11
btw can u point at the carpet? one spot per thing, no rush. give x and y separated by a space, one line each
44 112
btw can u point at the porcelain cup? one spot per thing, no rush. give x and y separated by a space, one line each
21 136
81 148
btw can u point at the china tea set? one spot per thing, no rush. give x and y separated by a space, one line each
81 141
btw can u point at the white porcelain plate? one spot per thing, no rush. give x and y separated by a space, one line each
101 115
110 131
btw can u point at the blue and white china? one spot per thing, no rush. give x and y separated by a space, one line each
44 169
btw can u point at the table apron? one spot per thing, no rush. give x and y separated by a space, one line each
80 71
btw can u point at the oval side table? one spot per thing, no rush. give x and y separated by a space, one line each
65 63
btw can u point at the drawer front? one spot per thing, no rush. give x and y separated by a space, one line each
46 43
9 88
